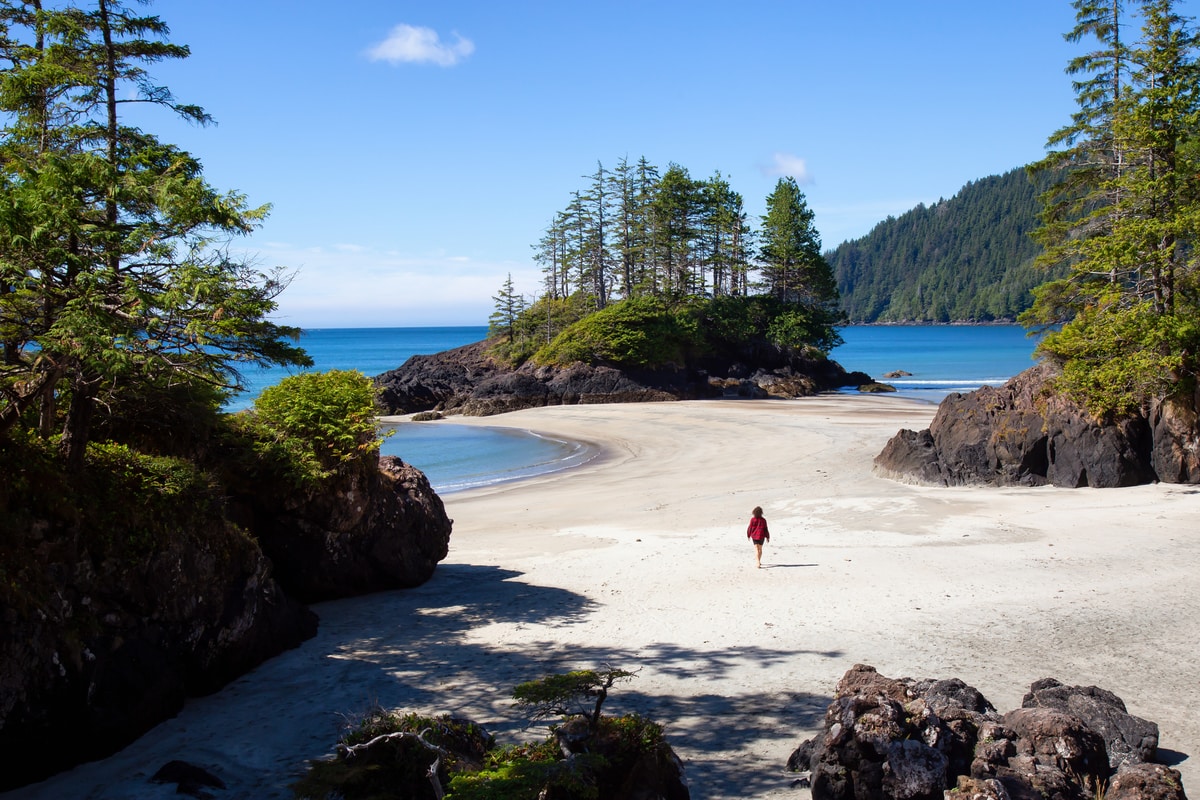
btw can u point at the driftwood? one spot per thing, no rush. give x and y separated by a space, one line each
349 751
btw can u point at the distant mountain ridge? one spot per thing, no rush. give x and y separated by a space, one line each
966 259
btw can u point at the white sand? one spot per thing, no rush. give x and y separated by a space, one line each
639 560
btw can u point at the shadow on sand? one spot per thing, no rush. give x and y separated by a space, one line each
420 650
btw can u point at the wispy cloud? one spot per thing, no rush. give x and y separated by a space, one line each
336 286
787 165
410 44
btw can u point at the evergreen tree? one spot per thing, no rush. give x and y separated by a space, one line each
113 273
674 213
1129 302
509 305
793 268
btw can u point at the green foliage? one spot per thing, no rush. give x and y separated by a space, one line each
1120 217
509 305
318 421
647 332
538 324
114 273
1114 358
641 333
599 766
577 692
140 497
966 259
792 264
398 766
633 733
529 772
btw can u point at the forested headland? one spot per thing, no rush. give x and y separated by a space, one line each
644 267
969 258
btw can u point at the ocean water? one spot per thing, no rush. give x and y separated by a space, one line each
941 358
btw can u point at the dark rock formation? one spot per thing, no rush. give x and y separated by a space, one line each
366 531
127 637
133 627
914 739
188 778
468 381
1129 739
1024 434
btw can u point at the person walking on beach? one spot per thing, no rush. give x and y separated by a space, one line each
757 533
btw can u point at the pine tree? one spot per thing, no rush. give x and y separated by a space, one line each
1130 303
793 268
509 306
114 273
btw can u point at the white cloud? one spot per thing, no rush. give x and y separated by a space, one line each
787 165
410 44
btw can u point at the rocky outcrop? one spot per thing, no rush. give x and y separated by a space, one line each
366 531
468 381
136 623
127 637
909 739
1024 434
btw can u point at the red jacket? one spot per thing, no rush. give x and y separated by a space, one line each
758 529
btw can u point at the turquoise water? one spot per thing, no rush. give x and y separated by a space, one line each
942 359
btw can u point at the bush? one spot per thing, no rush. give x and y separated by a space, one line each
1115 359
640 333
389 754
539 324
317 422
609 756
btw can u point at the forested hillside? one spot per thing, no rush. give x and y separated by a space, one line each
969 258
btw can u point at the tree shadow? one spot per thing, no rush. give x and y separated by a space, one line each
428 649
422 649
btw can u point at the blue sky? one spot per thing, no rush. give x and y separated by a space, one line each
413 152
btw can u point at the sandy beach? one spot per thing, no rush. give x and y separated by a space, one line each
639 560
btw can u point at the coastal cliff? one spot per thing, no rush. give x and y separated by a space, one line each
111 618
1023 433
469 381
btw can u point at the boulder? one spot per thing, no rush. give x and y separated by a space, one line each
365 530
1146 782
1127 739
887 738
893 738
1175 439
1022 434
428 382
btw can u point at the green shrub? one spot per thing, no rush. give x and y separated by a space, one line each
1115 359
398 766
641 333
137 498
539 324
317 422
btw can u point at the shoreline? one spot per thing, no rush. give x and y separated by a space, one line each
639 561
585 453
